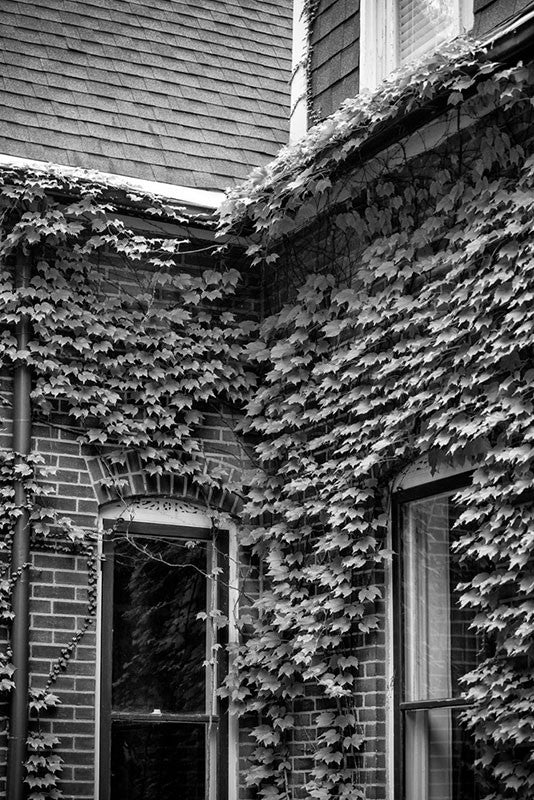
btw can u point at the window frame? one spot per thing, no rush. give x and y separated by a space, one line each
400 497
218 744
379 55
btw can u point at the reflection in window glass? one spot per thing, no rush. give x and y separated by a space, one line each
439 757
159 645
439 645
161 761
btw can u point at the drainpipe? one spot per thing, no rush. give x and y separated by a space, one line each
20 557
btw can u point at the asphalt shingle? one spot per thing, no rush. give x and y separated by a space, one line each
193 93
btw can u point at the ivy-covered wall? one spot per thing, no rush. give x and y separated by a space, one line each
132 340
402 332
395 251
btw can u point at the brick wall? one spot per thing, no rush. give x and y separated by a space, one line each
60 580
58 606
59 596
59 586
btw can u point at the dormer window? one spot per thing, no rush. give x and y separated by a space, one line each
396 32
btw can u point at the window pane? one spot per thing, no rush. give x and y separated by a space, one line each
157 761
439 757
422 25
159 645
439 647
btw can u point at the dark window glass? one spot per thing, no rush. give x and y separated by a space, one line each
158 761
439 756
162 737
159 645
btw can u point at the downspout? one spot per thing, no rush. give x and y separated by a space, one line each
20 557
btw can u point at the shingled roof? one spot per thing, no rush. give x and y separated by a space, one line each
192 92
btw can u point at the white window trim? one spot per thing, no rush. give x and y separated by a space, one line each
298 117
176 515
378 37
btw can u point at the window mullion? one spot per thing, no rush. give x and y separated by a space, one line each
449 702
138 716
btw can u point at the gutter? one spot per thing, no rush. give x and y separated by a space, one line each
508 43
505 46
521 29
20 556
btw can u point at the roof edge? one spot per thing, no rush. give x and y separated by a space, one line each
198 198
506 43
510 35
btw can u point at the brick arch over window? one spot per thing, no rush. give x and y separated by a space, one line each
129 479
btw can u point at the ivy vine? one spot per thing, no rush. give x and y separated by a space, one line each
133 340
402 328
406 329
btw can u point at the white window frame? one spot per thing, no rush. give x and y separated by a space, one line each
175 515
378 37
298 117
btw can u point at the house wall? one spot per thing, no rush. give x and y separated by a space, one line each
57 607
335 54
6 416
369 705
323 248
490 13
60 583
61 578
186 93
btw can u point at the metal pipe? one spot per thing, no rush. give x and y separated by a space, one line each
20 556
